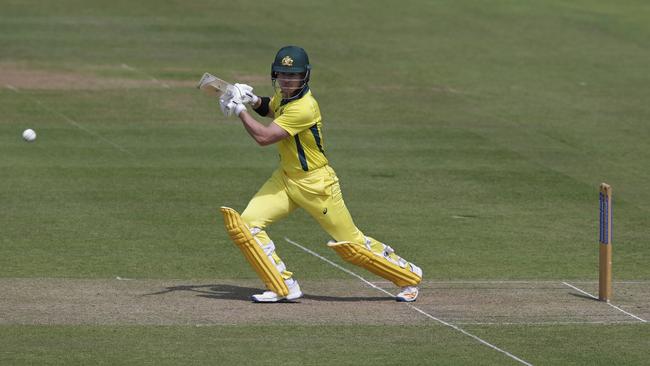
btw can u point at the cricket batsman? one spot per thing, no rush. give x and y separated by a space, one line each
304 180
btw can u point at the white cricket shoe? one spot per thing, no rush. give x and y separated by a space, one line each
408 294
270 296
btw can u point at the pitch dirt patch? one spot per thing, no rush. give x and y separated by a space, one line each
215 302
531 302
19 77
67 301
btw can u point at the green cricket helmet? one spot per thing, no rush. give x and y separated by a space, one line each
291 59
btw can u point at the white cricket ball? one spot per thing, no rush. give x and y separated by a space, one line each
29 135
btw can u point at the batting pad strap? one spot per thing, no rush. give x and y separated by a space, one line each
269 249
358 254
242 237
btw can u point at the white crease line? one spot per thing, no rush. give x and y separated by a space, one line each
410 305
553 323
480 282
637 282
339 267
608 303
583 292
131 68
460 282
70 120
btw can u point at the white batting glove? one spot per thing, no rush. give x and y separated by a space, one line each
233 93
247 95
230 100
236 107
231 106
224 101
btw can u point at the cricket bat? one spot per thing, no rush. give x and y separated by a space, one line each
213 86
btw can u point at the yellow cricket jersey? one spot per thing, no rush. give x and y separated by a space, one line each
304 149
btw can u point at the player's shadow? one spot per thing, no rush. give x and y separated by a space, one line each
213 291
347 298
233 292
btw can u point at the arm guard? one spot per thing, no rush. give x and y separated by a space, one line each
263 109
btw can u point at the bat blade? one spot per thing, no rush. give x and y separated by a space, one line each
213 86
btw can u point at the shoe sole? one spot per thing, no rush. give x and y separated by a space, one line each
283 299
403 299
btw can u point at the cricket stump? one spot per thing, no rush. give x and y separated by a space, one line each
605 253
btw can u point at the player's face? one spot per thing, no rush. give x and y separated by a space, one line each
290 83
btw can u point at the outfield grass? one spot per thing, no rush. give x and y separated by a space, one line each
556 345
469 135
322 345
227 345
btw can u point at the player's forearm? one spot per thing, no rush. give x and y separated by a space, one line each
260 133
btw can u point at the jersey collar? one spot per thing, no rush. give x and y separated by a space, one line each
302 93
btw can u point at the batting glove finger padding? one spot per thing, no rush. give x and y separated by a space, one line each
223 104
235 107
247 95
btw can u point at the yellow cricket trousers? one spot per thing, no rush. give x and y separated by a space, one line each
316 191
